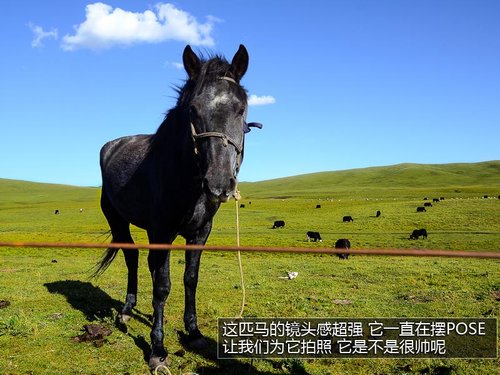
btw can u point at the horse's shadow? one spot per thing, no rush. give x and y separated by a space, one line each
97 305
87 298
224 366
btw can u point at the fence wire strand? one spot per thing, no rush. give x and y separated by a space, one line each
262 249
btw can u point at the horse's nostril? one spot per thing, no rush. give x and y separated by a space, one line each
220 191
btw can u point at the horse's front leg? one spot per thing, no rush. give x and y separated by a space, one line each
159 266
196 339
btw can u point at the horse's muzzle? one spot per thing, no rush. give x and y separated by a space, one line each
220 192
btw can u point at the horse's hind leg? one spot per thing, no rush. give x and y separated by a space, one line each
132 262
120 231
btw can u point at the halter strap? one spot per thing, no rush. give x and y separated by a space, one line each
229 79
224 137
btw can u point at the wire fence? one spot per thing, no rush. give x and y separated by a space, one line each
262 249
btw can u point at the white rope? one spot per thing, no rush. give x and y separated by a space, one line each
237 197
161 368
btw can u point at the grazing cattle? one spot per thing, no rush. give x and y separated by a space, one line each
417 233
425 198
378 214
485 197
441 198
318 206
346 219
56 212
435 199
427 204
343 243
242 206
173 182
499 197
81 210
278 224
313 236
421 209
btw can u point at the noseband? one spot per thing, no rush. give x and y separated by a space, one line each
225 139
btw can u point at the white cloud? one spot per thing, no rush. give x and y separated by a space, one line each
105 27
254 100
39 35
174 64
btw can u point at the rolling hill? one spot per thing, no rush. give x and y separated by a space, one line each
461 179
14 193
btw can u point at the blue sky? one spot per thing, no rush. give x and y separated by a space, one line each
337 84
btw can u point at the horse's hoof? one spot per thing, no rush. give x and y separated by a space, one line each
124 318
157 363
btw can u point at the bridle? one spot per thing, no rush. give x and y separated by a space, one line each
224 137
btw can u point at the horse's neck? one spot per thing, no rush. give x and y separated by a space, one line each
174 147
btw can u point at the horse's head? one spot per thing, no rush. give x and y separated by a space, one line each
217 110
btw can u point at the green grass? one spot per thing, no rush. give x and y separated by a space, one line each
52 297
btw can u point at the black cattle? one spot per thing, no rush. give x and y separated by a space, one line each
499 197
279 224
421 209
485 197
318 206
346 219
427 204
378 214
343 243
435 199
425 198
242 206
56 212
417 233
313 236
441 198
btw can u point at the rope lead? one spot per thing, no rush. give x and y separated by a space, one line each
237 197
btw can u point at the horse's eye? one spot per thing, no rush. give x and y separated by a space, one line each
193 113
241 112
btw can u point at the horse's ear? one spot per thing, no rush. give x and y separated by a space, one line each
239 64
191 62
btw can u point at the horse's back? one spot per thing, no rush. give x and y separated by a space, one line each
123 181
121 158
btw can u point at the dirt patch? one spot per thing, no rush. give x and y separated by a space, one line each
342 302
56 316
94 333
496 295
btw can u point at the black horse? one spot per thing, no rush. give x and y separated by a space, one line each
172 183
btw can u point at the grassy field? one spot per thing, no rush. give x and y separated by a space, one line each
51 296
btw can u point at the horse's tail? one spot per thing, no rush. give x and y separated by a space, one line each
105 262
